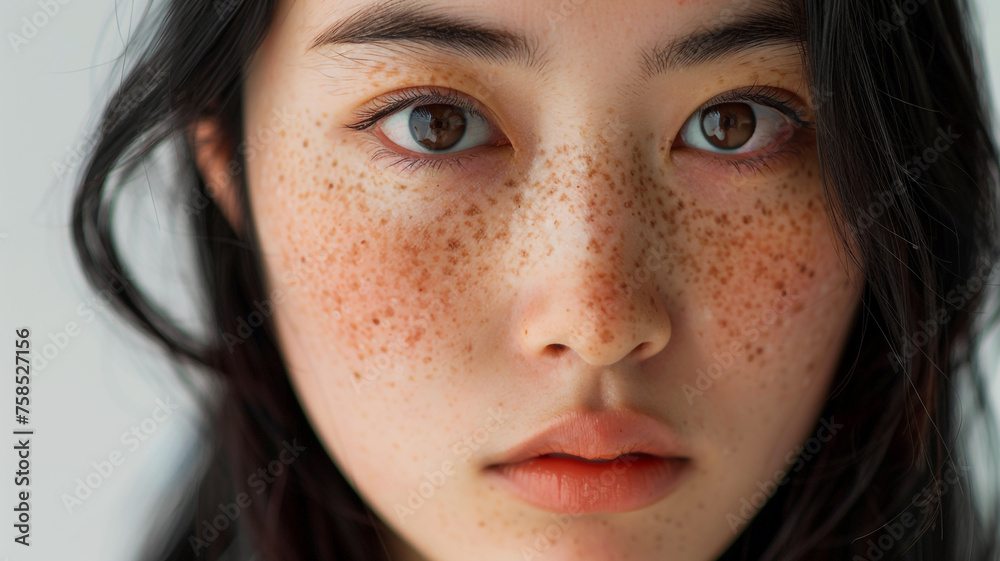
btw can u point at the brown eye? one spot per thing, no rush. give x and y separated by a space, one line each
437 126
728 125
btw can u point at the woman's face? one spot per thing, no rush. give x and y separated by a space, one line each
567 236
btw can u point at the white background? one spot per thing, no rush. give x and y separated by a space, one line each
105 379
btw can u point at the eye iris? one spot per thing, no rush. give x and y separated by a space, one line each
728 125
437 126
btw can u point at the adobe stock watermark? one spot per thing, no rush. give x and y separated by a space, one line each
943 142
560 13
223 8
434 481
380 363
76 153
900 526
258 481
291 280
915 168
752 330
131 439
956 298
796 459
33 24
248 148
884 200
375 366
87 311
901 13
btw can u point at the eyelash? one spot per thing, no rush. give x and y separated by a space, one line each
775 99
397 101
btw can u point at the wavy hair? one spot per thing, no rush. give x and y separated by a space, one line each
909 166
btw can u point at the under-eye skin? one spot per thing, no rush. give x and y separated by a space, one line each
747 129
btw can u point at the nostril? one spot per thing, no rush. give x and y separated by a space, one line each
557 348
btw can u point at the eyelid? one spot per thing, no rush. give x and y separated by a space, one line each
775 98
757 161
398 100
384 106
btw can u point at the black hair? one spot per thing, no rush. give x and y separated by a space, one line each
891 80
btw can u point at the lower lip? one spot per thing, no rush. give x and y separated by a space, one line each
567 485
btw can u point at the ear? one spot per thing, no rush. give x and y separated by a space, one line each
213 155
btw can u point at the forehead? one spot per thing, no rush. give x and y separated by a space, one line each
653 34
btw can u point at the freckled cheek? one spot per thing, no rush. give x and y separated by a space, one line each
370 287
761 271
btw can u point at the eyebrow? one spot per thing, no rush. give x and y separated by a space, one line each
411 25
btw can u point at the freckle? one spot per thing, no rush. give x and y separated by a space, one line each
375 321
305 144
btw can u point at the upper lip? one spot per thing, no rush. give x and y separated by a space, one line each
598 435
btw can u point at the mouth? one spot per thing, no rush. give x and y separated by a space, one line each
564 483
589 463
598 461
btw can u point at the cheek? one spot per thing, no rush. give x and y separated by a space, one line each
369 323
769 296
759 262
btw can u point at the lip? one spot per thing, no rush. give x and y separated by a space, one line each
590 462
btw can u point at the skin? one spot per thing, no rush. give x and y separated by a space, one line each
591 262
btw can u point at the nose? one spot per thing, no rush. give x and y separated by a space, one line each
595 293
